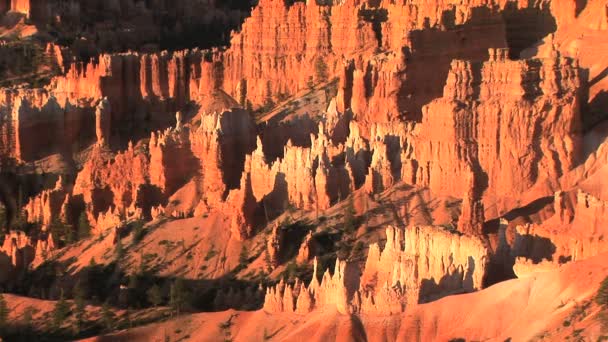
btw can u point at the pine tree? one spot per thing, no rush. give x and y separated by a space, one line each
119 249
61 311
178 295
107 317
128 321
155 296
602 294
28 317
84 228
79 311
4 312
3 222
133 281
62 231
321 74
349 216
243 256
267 261
138 231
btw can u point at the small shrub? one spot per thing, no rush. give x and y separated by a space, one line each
601 297
138 231
349 216
321 73
210 254
243 256
155 296
61 311
358 250
4 312
84 228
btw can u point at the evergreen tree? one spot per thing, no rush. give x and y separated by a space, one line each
28 317
3 222
4 312
128 321
119 249
80 304
321 73
243 256
62 231
133 281
61 312
349 216
155 296
602 294
267 261
84 228
178 295
138 231
107 317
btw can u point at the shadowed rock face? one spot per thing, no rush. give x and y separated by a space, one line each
113 26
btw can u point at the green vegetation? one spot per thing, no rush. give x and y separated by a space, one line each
267 261
84 228
349 216
4 312
3 223
107 317
62 231
178 296
243 256
137 231
211 253
357 252
601 298
25 61
155 296
225 328
79 311
27 317
321 72
119 250
243 93
61 312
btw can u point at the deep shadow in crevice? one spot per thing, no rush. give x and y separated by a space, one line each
526 26
597 111
502 257
469 41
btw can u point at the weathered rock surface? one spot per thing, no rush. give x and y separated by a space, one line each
416 265
421 95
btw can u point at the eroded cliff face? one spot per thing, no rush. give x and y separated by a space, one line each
417 95
481 121
525 114
417 264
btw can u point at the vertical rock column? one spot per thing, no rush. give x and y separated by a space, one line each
103 115
22 6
